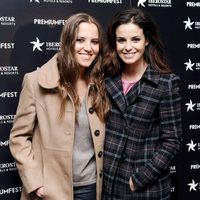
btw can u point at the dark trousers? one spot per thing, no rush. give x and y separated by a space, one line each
87 192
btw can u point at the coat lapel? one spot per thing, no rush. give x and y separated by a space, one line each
114 89
48 75
150 77
133 93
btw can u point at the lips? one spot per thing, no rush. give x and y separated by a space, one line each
128 55
85 56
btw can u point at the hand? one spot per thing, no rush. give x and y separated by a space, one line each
40 192
131 184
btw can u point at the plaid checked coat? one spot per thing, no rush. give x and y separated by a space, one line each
143 135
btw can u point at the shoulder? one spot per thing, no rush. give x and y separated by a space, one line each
30 78
47 76
169 77
169 81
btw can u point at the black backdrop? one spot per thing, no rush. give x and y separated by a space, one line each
24 22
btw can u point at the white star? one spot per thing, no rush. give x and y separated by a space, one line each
141 2
37 44
190 106
191 146
188 23
35 1
189 65
193 186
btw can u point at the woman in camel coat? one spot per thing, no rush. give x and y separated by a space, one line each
42 139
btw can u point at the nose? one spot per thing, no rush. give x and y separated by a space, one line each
87 46
128 46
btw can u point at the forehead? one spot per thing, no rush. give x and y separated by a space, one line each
88 29
124 30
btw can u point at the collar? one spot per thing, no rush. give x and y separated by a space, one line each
114 87
150 75
48 75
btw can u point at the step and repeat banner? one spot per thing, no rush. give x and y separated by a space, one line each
29 36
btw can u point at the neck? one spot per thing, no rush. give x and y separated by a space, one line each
134 72
81 88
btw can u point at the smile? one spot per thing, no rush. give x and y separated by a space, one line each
85 56
128 55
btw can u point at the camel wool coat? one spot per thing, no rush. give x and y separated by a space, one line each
42 143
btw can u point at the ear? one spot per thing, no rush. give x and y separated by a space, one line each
147 42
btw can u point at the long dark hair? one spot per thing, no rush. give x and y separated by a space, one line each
69 68
154 51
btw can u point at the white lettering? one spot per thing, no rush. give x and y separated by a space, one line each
7 165
6 143
8 68
8 94
160 1
193 86
6 117
49 22
10 190
196 166
192 4
6 45
194 126
6 19
193 46
106 1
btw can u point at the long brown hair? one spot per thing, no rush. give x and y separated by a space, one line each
69 68
154 51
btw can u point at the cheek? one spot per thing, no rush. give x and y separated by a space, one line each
143 45
119 48
96 49
76 47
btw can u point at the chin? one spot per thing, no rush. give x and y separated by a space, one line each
129 62
85 65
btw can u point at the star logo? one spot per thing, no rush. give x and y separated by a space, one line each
193 186
191 146
37 44
188 24
35 1
190 106
141 3
189 65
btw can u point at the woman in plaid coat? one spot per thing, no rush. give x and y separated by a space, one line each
143 131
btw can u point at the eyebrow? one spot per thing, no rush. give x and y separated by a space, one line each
79 36
125 36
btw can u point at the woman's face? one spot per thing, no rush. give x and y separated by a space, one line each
130 43
87 44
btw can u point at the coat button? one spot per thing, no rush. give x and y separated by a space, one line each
123 156
97 133
91 110
100 154
100 174
67 132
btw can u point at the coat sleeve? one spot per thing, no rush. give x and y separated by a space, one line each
170 136
21 138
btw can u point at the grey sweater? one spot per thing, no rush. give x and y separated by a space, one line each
84 167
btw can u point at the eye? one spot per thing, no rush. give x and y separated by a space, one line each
80 40
135 39
121 40
95 42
